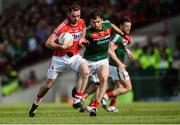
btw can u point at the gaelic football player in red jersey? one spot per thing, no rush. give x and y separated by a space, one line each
66 57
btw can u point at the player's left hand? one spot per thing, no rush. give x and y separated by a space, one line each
129 53
127 39
122 67
83 42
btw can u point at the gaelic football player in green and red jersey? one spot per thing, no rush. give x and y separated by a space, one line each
117 72
98 34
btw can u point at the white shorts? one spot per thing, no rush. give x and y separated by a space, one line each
94 65
60 64
115 74
94 78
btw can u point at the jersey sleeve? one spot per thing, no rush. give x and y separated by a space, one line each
107 22
83 23
57 32
60 28
116 39
87 36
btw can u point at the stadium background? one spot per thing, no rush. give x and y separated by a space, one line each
25 26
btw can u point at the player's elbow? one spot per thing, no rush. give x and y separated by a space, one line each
110 51
47 44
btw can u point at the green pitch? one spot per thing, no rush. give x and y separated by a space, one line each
168 112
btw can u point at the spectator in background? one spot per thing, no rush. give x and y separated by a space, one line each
137 53
10 81
41 31
164 57
170 82
31 80
34 50
3 57
177 50
148 59
20 53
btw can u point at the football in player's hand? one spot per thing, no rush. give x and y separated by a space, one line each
65 39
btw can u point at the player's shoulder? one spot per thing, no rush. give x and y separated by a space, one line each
116 37
81 21
89 27
62 24
106 22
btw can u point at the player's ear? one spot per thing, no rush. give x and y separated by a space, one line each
68 14
120 26
102 19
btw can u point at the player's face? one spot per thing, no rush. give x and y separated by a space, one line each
74 16
96 23
126 27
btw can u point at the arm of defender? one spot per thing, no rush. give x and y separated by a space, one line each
83 41
119 31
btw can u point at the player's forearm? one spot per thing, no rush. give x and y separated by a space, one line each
119 31
113 56
84 32
129 53
50 43
53 45
127 50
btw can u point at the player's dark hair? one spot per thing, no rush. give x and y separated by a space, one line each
125 19
95 13
73 7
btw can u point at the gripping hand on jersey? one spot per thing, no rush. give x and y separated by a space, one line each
83 42
127 39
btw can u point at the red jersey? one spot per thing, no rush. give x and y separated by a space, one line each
77 33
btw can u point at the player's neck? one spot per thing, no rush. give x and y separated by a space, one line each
100 28
72 24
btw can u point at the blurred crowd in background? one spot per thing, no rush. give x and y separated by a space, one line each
23 32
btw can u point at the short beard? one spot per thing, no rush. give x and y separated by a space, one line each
73 22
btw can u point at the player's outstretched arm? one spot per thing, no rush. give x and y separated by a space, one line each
119 31
83 41
50 43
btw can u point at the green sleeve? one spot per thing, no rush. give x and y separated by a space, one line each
88 32
107 22
116 39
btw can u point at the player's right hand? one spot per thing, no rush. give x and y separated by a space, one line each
122 67
83 42
129 53
127 39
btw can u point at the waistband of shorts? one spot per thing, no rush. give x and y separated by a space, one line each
69 54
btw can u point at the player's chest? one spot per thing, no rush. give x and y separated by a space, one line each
77 32
98 35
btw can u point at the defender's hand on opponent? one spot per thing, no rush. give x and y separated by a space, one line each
83 42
